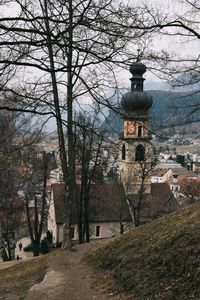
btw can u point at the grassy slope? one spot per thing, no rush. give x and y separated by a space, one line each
16 280
160 260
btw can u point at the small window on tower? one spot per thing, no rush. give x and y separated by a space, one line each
139 130
123 152
140 153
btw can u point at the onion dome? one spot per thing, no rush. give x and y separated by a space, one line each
137 68
137 100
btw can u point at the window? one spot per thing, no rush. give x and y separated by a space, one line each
97 231
121 228
123 152
139 130
140 153
72 232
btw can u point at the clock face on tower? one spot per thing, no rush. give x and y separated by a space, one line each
129 128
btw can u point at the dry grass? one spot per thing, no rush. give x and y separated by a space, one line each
160 260
16 280
189 148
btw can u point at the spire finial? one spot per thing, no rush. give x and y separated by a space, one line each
138 56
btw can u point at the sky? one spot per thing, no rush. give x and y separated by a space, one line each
182 47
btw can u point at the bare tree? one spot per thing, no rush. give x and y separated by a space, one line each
16 138
190 189
35 197
135 194
88 153
62 51
10 208
61 39
177 26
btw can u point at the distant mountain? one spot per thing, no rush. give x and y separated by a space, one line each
168 109
157 85
189 81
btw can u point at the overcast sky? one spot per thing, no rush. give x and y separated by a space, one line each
181 46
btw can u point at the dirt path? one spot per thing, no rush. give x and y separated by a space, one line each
68 278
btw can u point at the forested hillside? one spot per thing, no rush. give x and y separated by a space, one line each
168 109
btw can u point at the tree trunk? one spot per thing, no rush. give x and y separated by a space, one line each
86 218
63 155
70 134
4 255
35 225
36 248
9 249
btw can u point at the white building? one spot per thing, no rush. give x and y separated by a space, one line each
108 215
161 175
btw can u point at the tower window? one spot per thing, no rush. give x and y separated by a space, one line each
140 153
123 152
139 130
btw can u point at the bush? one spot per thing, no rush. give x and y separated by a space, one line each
28 248
49 238
58 244
44 247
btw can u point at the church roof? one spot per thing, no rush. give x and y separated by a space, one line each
136 101
107 203
159 202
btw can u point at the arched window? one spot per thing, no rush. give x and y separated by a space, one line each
139 130
140 153
123 152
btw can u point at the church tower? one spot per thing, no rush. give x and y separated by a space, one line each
136 148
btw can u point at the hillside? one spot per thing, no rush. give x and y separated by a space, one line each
168 109
159 260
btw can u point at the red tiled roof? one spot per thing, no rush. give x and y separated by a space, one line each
159 172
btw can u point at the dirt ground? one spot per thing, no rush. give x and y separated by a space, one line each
61 275
69 278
